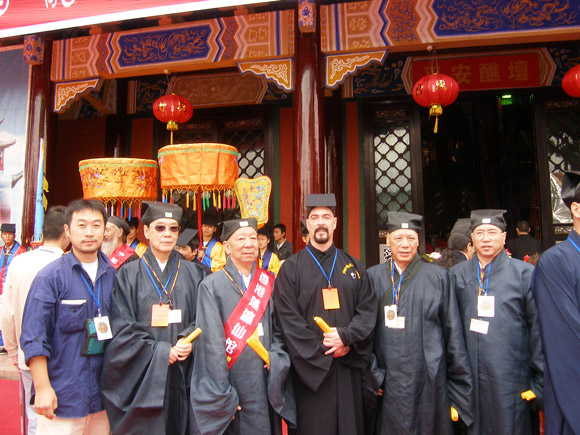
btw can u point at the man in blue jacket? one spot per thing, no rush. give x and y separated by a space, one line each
65 325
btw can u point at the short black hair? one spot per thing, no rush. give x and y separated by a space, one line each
303 228
194 243
282 227
54 220
133 222
85 204
523 226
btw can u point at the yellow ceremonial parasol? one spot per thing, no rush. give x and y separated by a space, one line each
120 183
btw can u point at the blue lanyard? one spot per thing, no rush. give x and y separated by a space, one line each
396 289
98 298
479 278
243 282
573 243
320 266
160 293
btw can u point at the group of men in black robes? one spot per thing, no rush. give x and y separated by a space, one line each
424 346
461 345
152 382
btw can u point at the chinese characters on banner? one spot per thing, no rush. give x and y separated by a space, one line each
486 71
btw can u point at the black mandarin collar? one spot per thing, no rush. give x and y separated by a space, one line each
320 255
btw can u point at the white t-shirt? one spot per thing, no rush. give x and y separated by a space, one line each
91 269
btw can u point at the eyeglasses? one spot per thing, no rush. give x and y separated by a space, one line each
162 228
490 233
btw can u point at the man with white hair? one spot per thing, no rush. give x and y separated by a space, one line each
423 368
114 243
231 391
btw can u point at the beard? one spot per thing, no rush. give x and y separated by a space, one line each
321 235
108 247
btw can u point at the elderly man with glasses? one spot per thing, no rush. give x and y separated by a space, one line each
147 368
500 325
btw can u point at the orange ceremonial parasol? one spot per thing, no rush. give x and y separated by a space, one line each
204 172
120 183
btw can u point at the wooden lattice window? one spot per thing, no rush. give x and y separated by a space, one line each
392 164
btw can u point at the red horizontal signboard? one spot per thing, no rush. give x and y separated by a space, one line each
514 70
19 17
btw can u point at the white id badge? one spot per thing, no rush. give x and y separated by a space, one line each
174 316
103 328
260 330
479 326
400 322
485 306
391 316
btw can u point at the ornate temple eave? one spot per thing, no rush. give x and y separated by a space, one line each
216 43
277 71
354 36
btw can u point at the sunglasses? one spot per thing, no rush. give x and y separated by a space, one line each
162 228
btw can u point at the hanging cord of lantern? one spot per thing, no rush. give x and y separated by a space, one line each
436 109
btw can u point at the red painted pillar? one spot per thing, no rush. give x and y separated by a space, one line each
309 143
40 126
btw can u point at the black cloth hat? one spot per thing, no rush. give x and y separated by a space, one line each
153 210
186 237
209 219
571 187
8 228
460 235
133 222
314 200
119 223
231 226
488 216
398 220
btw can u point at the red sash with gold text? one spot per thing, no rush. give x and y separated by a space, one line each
245 318
121 254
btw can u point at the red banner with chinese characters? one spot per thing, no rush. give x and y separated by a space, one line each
488 71
246 316
21 17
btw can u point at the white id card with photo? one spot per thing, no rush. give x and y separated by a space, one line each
485 306
479 326
391 316
103 328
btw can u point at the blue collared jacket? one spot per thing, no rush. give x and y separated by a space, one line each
53 325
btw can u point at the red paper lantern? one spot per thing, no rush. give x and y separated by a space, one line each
435 91
172 109
571 82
